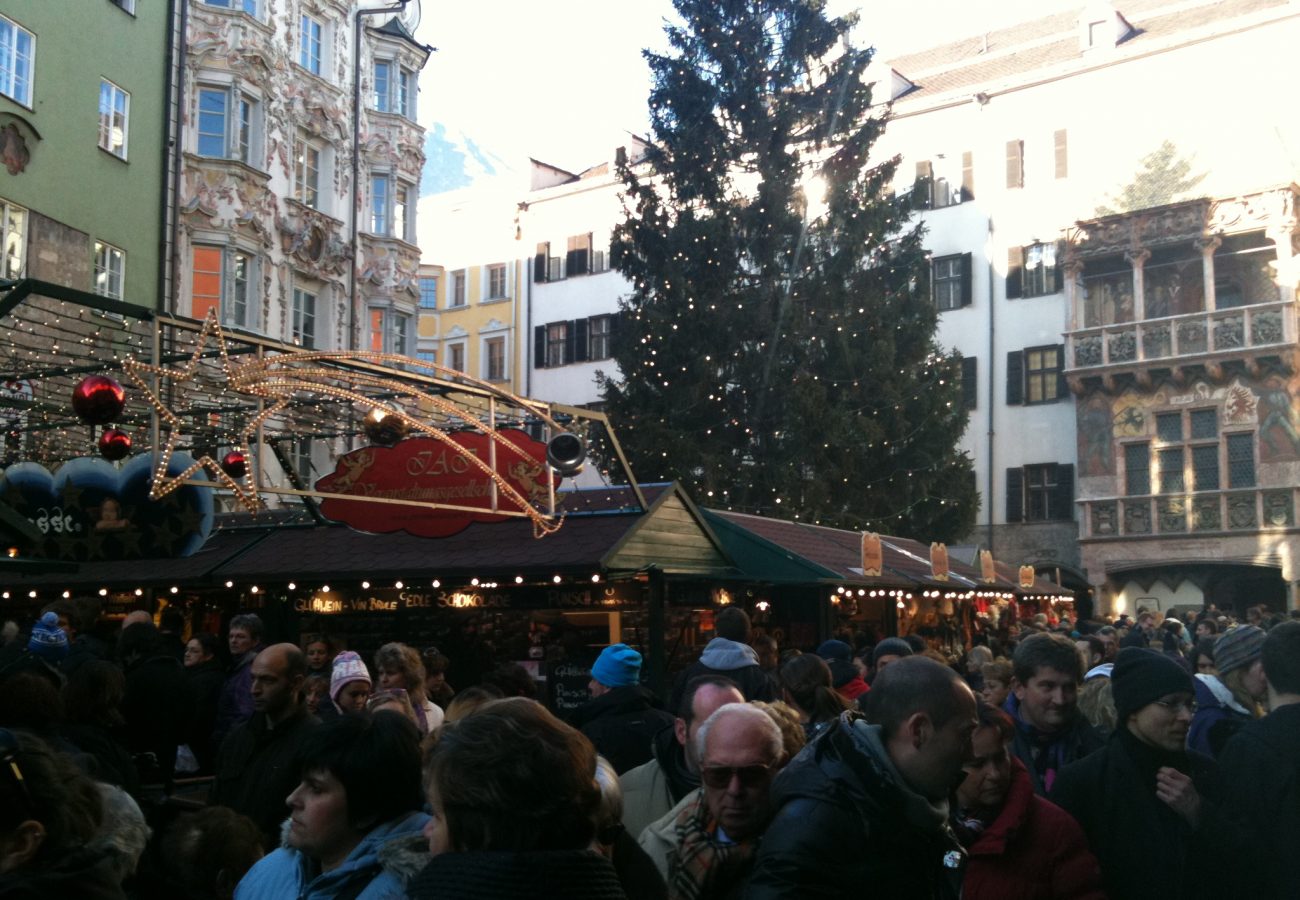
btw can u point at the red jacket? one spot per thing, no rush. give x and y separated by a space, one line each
853 688
1033 850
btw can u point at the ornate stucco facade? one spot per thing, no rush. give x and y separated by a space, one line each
297 202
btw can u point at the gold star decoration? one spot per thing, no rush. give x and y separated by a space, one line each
163 484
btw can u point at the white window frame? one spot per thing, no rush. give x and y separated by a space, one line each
396 94
231 283
127 6
110 271
306 303
428 300
311 46
240 124
403 218
401 333
491 292
457 347
485 344
249 7
392 214
606 337
118 105
18 47
557 345
13 242
306 172
457 298
380 221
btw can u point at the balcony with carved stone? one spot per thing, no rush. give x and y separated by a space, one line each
1183 291
1203 513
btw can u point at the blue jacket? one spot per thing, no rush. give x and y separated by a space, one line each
386 858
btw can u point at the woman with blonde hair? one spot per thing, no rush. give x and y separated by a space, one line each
399 666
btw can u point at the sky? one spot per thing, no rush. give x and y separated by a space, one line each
560 81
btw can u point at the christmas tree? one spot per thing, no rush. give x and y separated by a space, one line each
777 351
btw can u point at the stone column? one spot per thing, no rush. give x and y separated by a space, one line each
1288 265
1207 246
1137 258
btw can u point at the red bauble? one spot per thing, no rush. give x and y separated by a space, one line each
98 400
114 444
235 464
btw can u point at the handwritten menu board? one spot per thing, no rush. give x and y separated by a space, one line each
566 685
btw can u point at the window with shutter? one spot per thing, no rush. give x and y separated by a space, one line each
539 262
1043 374
950 281
1015 378
969 382
1015 272
923 187
539 347
580 340
1015 164
1015 495
578 260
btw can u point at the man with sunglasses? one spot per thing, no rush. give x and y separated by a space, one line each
705 846
863 811
1145 789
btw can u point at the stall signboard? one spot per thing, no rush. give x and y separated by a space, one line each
567 685
592 598
431 471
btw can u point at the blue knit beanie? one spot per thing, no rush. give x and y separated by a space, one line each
834 649
48 640
617 666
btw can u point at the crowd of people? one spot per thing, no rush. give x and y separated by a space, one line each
1145 758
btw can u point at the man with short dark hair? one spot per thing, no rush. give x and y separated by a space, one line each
728 654
355 810
864 810
235 704
1050 731
1141 634
653 788
257 765
1261 774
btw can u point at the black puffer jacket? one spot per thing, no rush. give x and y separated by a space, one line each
535 875
846 825
622 724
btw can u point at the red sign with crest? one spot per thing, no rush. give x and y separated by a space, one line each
428 470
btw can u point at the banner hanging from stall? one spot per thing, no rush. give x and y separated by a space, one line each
427 470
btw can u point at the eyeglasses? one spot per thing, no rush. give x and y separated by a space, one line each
719 777
9 764
1174 706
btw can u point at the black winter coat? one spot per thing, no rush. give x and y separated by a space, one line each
205 683
258 768
846 827
621 724
1260 767
1146 850
157 709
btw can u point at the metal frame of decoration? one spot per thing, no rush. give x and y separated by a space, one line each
200 386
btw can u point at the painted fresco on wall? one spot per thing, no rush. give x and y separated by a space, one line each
1266 404
1279 440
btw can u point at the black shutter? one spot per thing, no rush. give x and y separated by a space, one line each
539 262
578 262
923 188
1059 273
1062 388
539 347
1064 499
570 341
1062 155
970 387
1015 164
966 279
967 176
1015 272
1015 495
1015 378
580 353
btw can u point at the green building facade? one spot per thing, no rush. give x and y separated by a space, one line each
83 142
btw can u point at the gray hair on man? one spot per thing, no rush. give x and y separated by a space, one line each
760 720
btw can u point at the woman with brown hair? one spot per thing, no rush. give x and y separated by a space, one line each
514 798
806 683
399 666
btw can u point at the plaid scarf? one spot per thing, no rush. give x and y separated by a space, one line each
700 866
